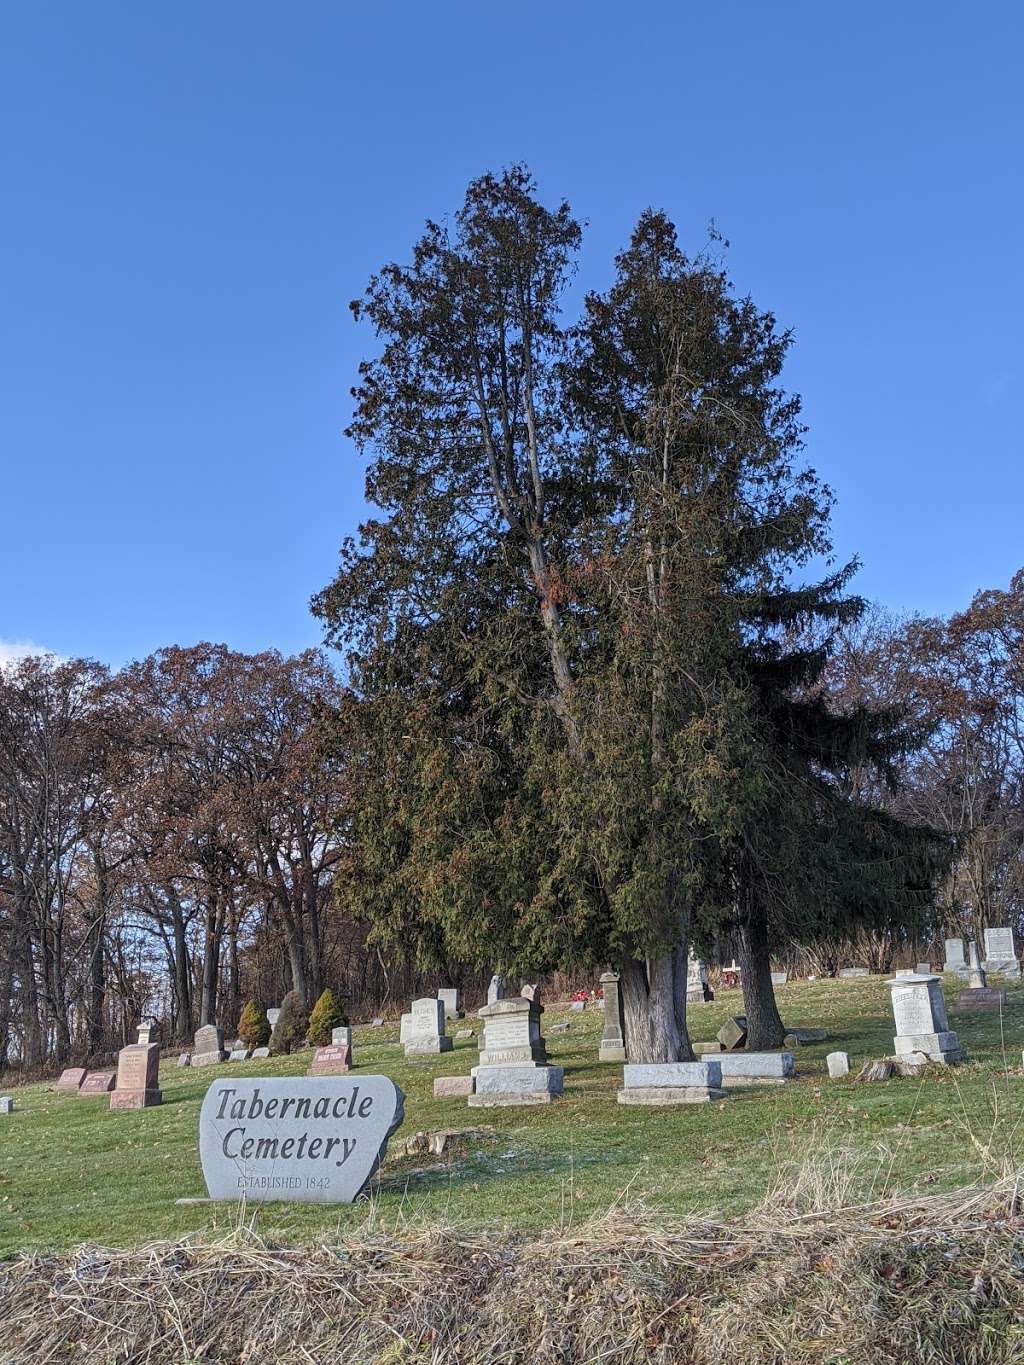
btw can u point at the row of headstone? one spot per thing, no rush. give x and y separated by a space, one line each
1000 955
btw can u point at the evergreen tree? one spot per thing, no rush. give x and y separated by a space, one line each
253 1025
327 1014
292 1025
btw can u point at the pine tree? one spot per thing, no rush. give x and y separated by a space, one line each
253 1025
327 1015
292 1025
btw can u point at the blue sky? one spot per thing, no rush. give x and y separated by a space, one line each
192 193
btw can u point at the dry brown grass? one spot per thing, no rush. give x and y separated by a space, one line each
819 1274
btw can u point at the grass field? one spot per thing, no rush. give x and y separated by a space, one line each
73 1171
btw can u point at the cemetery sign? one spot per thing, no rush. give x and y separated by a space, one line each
309 1139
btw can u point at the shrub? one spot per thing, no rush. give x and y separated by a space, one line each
254 1026
328 1013
291 1026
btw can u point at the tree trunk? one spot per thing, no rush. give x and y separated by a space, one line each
765 1028
654 1008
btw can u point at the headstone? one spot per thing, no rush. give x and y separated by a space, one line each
665 1083
451 998
307 1139
530 993
462 1034
184 1059
272 1017
453 1087
512 1034
920 1014
925 968
982 999
562 1027
6 1104
239 1054
779 978
577 1006
260 1052
377 1023
149 1030
733 1033
208 1046
341 1036
426 1035
138 1077
496 990
335 1060
707 1049
613 1041
755 1068
803 1036
838 1064
954 957
854 971
515 1085
1000 953
98 1083
976 978
697 988
71 1078
405 1027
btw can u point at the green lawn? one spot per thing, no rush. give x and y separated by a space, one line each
72 1171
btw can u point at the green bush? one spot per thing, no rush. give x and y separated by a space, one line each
328 1014
254 1026
292 1024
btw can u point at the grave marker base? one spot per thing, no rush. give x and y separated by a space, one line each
670 1094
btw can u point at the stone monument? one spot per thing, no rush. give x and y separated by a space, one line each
306 1139
1000 953
613 1041
451 998
149 1030
513 1065
954 957
71 1079
496 990
98 1083
425 1035
138 1077
664 1083
335 1060
919 1011
208 1046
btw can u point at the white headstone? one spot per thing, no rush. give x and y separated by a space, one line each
838 1064
954 950
496 990
307 1139
451 998
1000 953
425 1033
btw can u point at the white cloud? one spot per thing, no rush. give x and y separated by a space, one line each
13 650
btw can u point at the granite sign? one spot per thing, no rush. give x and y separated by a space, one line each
312 1139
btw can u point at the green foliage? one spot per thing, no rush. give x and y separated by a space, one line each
253 1025
292 1025
327 1014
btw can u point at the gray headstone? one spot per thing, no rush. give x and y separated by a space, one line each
463 1033
919 1011
924 967
377 1023
259 1052
341 1036
518 1080
307 1139
563 1027
578 1006
954 959
740 1068
1000 953
272 1017
838 1064
496 990
6 1104
854 971
239 1054
426 1035
512 1034
779 978
208 1046
184 1059
613 1043
642 1076
451 998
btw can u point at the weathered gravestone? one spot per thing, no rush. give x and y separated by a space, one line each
530 992
514 1085
208 1046
138 1077
184 1059
513 1060
496 990
613 1041
1000 953
451 998
377 1023
665 1083
976 978
341 1036
954 960
239 1054
462 1034
149 1030
838 1064
272 1017
98 1083
920 1015
6 1104
697 987
982 999
733 1033
741 1069
453 1087
309 1139
779 978
924 968
854 971
260 1053
426 1036
335 1060
71 1079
